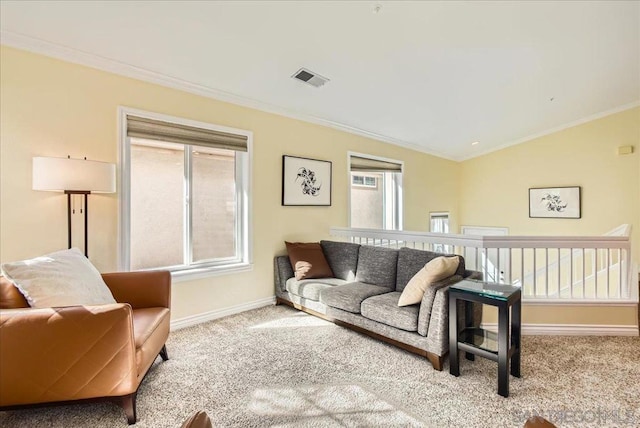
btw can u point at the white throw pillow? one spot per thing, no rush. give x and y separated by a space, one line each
434 271
63 278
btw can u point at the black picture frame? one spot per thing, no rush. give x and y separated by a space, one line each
306 182
555 202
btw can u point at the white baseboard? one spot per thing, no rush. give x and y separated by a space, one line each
219 313
527 329
572 329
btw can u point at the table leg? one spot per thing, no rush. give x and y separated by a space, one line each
515 338
468 322
454 363
503 350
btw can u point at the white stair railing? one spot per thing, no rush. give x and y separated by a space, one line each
548 268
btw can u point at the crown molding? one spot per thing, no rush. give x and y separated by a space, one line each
54 50
552 130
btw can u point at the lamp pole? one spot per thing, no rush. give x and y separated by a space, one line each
85 194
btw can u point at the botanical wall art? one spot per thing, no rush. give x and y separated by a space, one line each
554 202
305 181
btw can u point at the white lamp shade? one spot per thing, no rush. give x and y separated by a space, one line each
60 174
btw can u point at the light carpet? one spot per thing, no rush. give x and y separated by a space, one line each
277 367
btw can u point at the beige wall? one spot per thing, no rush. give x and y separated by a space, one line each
55 108
494 192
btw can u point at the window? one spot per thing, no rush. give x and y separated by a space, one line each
184 195
376 192
364 181
439 223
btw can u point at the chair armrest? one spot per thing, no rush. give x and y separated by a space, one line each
148 289
70 353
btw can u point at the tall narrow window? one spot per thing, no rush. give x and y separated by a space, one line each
439 223
185 196
375 192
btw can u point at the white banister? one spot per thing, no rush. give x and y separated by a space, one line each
577 273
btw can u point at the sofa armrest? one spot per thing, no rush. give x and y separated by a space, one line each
147 289
472 274
426 306
282 271
69 353
438 334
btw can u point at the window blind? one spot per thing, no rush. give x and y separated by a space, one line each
439 215
360 164
151 129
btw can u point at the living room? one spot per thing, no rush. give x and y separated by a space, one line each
63 96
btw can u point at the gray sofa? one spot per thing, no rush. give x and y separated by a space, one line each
364 295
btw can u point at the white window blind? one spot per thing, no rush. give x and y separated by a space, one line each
360 164
152 129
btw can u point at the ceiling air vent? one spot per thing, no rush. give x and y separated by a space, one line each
309 77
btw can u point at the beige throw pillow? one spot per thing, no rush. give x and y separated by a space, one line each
63 278
434 271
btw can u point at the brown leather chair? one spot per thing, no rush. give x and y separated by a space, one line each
538 422
198 420
57 355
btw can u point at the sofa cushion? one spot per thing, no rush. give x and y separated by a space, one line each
310 288
308 260
410 261
63 278
150 331
384 308
342 257
348 297
145 321
377 266
434 271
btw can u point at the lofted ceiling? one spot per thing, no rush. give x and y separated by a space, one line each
433 76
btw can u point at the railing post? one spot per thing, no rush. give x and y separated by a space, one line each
571 272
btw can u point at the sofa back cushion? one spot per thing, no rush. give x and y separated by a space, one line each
410 261
377 266
342 257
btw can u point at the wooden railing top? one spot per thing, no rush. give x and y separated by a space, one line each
621 239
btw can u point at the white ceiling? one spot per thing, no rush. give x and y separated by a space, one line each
435 76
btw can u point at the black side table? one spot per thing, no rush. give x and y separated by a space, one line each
477 341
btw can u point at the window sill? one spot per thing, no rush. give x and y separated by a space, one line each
210 271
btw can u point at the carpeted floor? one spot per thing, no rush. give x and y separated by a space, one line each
277 367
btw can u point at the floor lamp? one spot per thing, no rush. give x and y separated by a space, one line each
74 177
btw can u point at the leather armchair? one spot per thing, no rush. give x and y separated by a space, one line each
198 420
57 355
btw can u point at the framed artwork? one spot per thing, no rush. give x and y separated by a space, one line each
554 202
305 182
